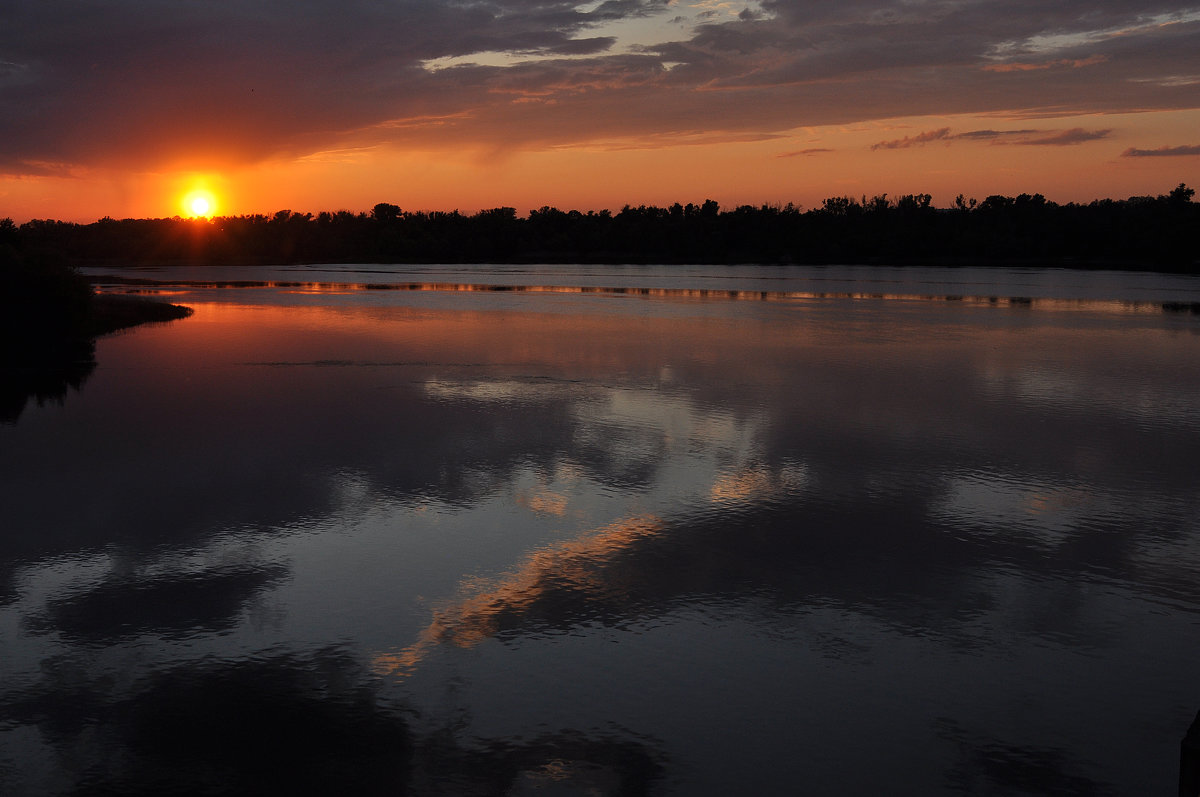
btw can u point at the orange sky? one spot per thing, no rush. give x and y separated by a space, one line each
468 105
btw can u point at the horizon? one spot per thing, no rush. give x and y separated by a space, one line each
524 213
590 105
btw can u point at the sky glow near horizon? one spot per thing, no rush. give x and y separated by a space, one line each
479 103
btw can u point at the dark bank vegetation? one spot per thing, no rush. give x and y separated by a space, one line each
1157 232
49 319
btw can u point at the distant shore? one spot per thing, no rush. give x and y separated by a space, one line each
1146 232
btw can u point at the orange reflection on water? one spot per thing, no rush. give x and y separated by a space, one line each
480 615
438 343
754 483
331 288
544 502
1066 499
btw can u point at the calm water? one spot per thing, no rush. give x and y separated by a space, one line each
575 530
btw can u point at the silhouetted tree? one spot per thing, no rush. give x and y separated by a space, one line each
385 213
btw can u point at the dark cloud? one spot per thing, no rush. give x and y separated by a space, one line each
1066 138
1056 138
140 85
132 83
1162 152
941 134
809 151
596 44
994 134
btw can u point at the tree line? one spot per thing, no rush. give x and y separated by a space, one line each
1142 231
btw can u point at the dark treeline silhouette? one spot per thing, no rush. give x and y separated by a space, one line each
49 320
1146 231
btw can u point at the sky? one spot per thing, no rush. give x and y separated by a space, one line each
123 108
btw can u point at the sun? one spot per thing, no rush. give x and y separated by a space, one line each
199 204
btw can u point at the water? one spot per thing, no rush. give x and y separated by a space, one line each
585 530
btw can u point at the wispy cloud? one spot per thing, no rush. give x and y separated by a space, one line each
1029 138
985 135
1061 63
1162 152
1065 138
799 152
1169 81
941 134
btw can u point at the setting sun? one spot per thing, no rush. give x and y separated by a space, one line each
199 204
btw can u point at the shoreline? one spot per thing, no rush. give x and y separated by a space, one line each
113 312
610 259
46 368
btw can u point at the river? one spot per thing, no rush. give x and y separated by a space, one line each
611 530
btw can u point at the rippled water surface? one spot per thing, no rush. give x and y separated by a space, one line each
585 530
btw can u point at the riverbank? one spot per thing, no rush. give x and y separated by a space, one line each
47 308
1154 233
112 312
50 318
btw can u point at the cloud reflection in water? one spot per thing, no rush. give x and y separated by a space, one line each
832 523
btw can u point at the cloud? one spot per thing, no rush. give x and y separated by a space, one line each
994 134
809 151
1066 138
590 46
941 134
1162 152
138 85
128 83
1018 66
1170 80
1028 138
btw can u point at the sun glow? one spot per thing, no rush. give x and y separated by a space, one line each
199 204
